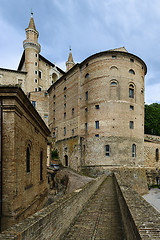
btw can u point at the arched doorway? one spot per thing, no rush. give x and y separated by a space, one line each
66 160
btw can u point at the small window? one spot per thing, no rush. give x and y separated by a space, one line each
54 103
72 110
53 119
28 159
35 89
86 109
114 57
107 150
131 107
54 134
36 55
72 131
133 150
87 96
87 75
40 89
35 72
142 91
54 96
65 115
86 127
40 74
86 64
65 105
45 116
97 106
64 131
132 71
34 103
35 63
97 124
65 89
41 166
97 135
131 92
35 80
157 154
64 96
131 124
113 83
131 60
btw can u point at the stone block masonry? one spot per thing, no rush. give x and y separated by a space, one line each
52 221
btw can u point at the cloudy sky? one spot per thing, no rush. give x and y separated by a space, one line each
88 26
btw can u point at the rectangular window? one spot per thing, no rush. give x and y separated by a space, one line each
72 131
35 72
54 134
35 80
35 89
87 96
65 115
72 110
34 103
107 150
97 124
65 105
40 74
35 63
133 150
64 131
131 125
97 106
86 109
97 135
39 88
131 107
157 154
41 166
36 55
86 127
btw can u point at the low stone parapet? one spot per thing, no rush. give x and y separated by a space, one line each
141 220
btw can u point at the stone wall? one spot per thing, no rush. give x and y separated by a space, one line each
151 145
141 220
24 186
52 221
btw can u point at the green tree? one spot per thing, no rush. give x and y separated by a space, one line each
152 119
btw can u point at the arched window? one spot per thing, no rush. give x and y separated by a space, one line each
133 150
87 75
132 71
41 166
131 91
113 83
157 154
28 159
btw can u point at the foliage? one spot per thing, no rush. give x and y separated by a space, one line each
54 154
152 119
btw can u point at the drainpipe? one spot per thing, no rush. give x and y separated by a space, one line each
1 157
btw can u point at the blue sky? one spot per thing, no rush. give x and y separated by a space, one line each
89 26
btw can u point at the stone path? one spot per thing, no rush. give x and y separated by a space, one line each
101 219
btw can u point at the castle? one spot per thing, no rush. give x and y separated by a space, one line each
94 111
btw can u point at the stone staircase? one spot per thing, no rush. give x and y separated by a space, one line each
101 218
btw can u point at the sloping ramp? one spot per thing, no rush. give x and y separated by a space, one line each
101 218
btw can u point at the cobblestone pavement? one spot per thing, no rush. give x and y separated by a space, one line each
100 219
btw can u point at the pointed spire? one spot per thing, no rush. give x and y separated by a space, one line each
70 63
31 23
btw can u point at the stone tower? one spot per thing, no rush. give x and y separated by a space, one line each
32 49
70 63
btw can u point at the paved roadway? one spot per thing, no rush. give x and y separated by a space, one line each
100 219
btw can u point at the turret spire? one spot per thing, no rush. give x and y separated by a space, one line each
70 63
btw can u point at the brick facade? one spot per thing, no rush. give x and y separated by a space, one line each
24 183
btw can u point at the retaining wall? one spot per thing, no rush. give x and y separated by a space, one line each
52 221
